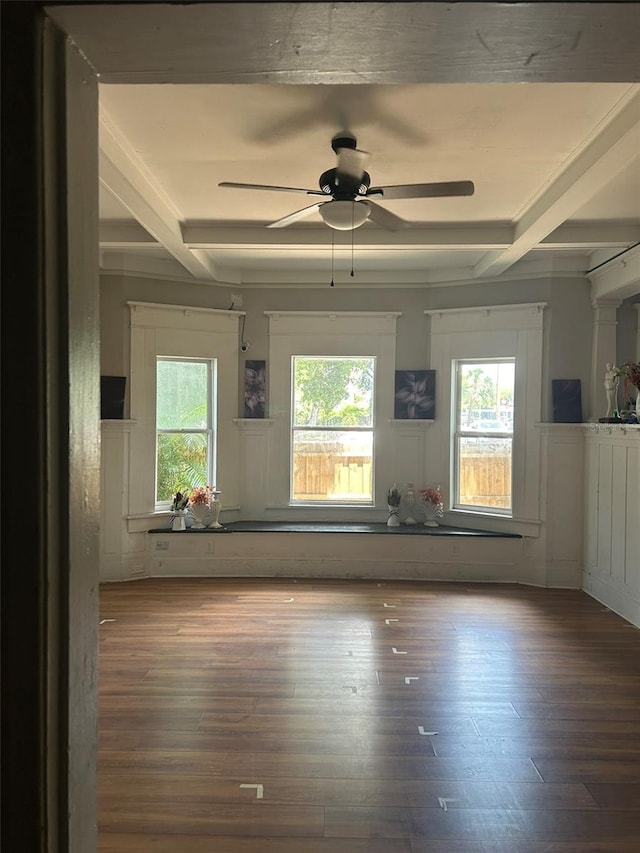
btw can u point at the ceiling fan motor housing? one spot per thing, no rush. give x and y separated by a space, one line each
343 140
343 187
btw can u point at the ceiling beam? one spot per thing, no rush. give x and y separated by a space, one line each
602 157
619 278
591 236
115 234
313 42
468 236
124 174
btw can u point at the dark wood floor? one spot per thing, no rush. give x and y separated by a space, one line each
365 717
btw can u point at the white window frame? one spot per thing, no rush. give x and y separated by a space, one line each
369 430
181 331
458 432
210 430
322 333
492 332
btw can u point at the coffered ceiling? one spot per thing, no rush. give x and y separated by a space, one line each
556 165
556 169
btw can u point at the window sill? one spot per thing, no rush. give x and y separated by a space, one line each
415 422
488 521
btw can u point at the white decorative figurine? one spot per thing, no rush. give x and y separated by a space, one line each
611 381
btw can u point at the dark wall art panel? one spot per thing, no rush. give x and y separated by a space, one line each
112 390
255 387
567 401
415 395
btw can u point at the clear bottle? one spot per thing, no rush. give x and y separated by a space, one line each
409 502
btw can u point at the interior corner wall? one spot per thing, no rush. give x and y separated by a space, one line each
570 331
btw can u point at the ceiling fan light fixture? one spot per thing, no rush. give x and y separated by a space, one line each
345 215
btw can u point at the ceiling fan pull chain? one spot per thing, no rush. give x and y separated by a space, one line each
353 207
333 247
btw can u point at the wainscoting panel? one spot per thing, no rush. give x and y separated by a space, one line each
323 555
612 534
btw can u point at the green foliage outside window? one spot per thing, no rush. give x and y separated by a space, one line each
182 464
333 392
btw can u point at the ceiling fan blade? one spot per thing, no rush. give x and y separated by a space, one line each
385 218
294 217
266 187
351 162
435 190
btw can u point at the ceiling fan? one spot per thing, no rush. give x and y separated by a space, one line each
350 189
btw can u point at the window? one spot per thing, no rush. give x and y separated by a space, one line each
332 429
185 417
483 443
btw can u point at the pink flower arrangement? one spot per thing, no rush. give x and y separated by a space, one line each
630 371
202 495
432 496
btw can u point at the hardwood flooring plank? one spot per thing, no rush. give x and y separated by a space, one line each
165 720
616 796
424 689
128 787
360 822
576 711
354 767
119 705
175 843
489 825
251 743
211 819
171 762
394 705
604 747
588 771
534 726
360 725
438 846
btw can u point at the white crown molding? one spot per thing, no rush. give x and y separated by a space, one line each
183 309
332 315
488 309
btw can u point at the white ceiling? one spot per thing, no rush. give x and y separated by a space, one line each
544 158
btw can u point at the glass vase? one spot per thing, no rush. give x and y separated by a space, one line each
409 501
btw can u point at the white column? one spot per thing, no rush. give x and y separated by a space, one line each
637 307
603 351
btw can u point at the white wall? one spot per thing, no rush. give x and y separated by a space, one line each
568 317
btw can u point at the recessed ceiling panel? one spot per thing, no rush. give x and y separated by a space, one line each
508 138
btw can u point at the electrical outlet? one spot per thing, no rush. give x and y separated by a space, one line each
137 570
162 545
236 300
